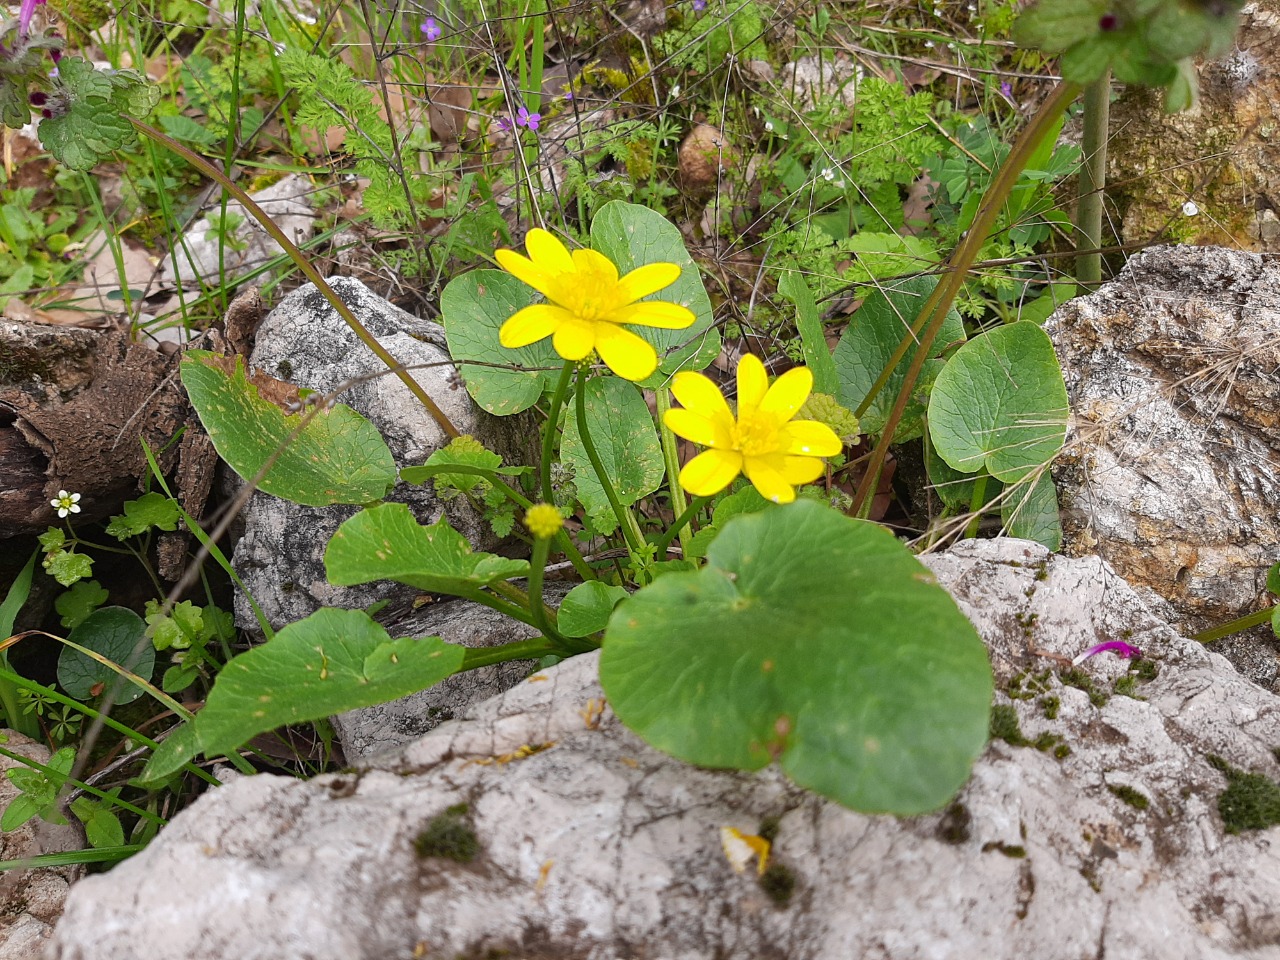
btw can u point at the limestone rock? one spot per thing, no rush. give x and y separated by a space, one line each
31 900
304 341
810 79
1172 465
538 827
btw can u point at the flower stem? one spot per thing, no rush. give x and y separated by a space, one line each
1239 625
1093 178
680 523
671 457
976 503
625 520
549 437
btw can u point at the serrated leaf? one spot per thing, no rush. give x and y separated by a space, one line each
114 633
386 543
331 662
467 452
67 568
149 510
587 607
15 110
91 128
77 603
474 307
337 457
622 429
1055 25
1000 403
180 629
814 640
631 236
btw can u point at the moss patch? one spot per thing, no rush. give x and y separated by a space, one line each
1134 798
1005 726
1013 851
1082 681
1050 706
1251 800
449 835
954 826
778 883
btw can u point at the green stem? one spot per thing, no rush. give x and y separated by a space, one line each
493 603
549 438
81 785
1239 625
532 649
625 521
976 503
934 312
309 271
670 456
541 613
54 695
1093 178
112 240
94 855
682 521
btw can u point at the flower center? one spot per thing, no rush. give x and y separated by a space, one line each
588 294
756 434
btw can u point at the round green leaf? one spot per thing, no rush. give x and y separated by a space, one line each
1000 403
338 457
1030 510
333 661
631 236
814 640
626 439
114 633
386 543
474 308
586 608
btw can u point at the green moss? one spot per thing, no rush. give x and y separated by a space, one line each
1026 685
1134 798
1005 726
1013 851
1275 752
449 835
1062 751
1082 681
1250 802
953 828
768 829
1050 706
778 883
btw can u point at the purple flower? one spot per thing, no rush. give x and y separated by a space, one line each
526 119
503 124
1006 90
25 13
431 30
699 5
1118 647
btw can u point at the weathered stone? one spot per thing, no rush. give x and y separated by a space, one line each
585 843
1223 154
1172 465
370 730
304 341
812 78
31 900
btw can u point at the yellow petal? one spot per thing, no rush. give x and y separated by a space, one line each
753 381
655 313
547 252
767 475
698 429
650 278
801 470
575 338
788 393
532 324
522 268
627 355
811 438
699 394
710 472
597 266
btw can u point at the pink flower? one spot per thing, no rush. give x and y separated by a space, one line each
25 13
431 30
526 119
1118 647
503 124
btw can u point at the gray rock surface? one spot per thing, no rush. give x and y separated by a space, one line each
31 900
370 730
593 846
1172 465
304 341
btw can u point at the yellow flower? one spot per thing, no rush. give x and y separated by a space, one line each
543 520
589 305
775 452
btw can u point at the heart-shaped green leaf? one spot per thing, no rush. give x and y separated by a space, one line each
622 429
337 457
587 607
113 632
631 236
1000 403
814 640
386 543
1030 510
333 661
474 307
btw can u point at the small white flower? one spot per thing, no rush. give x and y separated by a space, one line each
1189 209
929 44
768 126
66 503
675 92
828 174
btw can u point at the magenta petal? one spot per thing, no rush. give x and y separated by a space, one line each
1118 647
